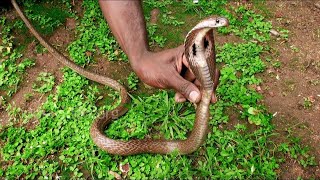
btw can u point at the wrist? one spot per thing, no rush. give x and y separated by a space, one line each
137 59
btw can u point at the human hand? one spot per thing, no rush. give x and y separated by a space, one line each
169 69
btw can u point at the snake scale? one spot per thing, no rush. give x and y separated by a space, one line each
200 54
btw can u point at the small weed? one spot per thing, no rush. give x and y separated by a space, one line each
289 85
318 33
19 24
307 103
2 103
294 48
160 40
11 70
158 4
155 39
93 36
297 152
45 19
28 96
276 64
170 20
284 33
314 82
44 83
133 81
39 49
13 112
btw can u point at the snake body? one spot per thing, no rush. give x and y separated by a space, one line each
200 53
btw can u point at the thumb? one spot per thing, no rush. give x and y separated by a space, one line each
186 88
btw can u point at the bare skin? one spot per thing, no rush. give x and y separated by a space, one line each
158 69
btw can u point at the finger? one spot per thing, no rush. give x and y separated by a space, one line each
179 98
216 79
197 83
185 62
214 98
186 88
179 51
189 76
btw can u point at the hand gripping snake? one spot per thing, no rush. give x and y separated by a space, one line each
200 54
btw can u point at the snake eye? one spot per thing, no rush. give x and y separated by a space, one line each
217 21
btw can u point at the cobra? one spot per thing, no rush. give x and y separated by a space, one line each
200 54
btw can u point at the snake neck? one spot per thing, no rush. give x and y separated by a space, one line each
200 127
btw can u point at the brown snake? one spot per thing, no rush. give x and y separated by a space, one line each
200 53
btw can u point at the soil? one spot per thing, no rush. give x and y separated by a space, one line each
154 16
285 88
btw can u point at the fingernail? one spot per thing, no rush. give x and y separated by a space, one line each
194 96
214 98
179 99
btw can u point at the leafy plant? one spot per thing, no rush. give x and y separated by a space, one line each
94 37
297 152
307 103
40 49
277 64
11 69
170 20
284 33
44 83
155 39
45 19
133 81
28 96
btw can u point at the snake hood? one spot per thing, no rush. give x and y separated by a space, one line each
200 50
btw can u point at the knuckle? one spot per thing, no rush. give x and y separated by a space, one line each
184 88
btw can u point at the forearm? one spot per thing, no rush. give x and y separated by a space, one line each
127 23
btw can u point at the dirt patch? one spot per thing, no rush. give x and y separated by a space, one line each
296 170
114 69
118 70
71 23
291 91
154 16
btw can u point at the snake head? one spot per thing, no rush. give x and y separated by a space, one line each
210 23
214 22
203 27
